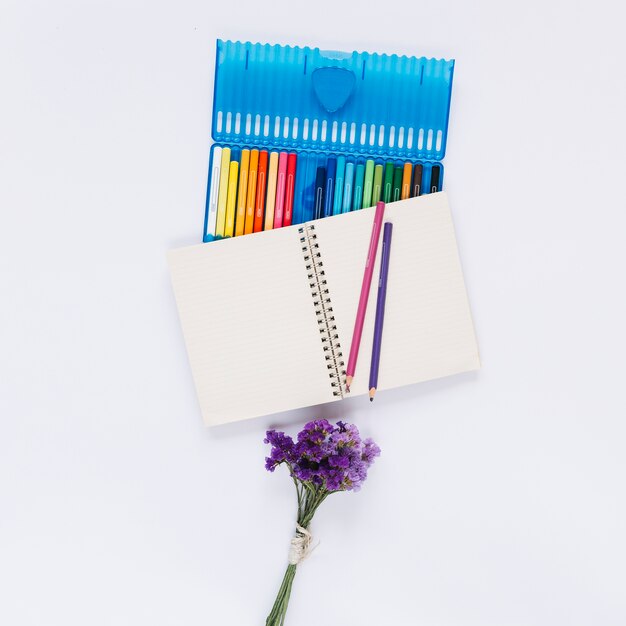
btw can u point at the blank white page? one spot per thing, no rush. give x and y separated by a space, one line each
428 330
249 324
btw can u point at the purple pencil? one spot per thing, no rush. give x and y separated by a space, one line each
380 308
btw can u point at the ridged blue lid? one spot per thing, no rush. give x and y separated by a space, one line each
292 97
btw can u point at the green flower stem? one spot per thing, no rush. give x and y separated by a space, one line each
279 610
309 498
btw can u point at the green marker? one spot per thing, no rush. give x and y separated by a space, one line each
378 184
367 185
388 184
397 183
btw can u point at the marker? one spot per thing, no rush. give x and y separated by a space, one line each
289 189
302 209
417 181
388 184
320 183
358 187
406 181
242 193
223 193
365 290
331 171
211 214
368 184
380 309
251 199
377 186
347 188
261 182
231 200
280 190
434 179
398 173
271 191
339 177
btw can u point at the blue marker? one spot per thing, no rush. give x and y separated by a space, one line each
299 201
358 187
329 192
347 188
318 203
341 170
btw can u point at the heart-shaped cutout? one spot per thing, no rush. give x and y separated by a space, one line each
333 86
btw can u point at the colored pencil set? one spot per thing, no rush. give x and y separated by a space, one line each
252 190
344 184
381 297
301 133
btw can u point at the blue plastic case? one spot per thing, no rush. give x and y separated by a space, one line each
319 103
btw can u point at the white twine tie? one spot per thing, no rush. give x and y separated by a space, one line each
300 547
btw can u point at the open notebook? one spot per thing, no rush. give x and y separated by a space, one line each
268 318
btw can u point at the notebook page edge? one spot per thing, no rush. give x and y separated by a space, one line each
178 258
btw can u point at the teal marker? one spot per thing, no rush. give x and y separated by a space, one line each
347 188
358 187
339 177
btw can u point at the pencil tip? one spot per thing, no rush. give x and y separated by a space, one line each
372 392
371 399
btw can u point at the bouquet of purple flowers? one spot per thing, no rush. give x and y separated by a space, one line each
325 459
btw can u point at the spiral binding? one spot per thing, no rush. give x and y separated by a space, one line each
323 307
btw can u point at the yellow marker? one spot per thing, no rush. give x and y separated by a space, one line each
242 194
231 200
407 174
250 202
272 175
223 193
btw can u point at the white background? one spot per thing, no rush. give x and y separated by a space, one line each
499 497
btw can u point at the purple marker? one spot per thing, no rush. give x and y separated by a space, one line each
380 308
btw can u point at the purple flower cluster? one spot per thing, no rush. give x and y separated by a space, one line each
332 457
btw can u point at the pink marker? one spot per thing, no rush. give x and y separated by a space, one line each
280 190
365 292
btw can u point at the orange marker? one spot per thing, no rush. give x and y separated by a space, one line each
261 180
250 203
406 181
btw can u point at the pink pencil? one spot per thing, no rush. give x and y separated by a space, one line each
365 292
280 190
